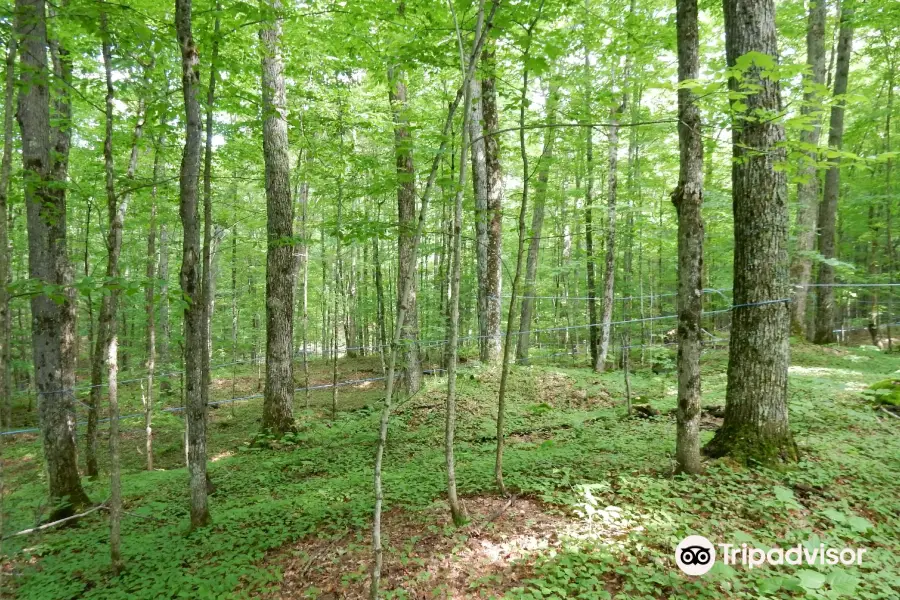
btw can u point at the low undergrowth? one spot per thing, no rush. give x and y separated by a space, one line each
571 450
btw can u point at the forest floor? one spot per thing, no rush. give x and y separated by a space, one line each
595 513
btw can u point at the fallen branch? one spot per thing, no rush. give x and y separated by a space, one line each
886 411
55 523
502 510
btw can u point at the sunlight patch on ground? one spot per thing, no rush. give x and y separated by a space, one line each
822 372
222 455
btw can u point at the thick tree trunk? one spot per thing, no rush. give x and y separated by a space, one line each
493 277
537 224
406 213
480 192
190 270
808 188
825 323
53 320
756 427
150 304
5 253
593 325
688 201
610 263
278 415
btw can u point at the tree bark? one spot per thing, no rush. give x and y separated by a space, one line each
493 277
406 214
53 319
107 342
609 279
808 188
688 201
5 252
537 224
278 415
480 192
756 427
207 276
150 304
825 323
191 287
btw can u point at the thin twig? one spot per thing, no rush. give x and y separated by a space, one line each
60 522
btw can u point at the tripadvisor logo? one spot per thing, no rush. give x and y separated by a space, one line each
695 555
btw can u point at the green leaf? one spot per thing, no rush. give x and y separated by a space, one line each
810 580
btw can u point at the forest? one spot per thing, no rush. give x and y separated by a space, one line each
449 299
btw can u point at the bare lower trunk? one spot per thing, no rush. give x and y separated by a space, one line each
808 188
610 263
150 304
53 320
5 169
688 201
493 276
480 193
400 318
756 427
825 322
537 224
278 415
195 407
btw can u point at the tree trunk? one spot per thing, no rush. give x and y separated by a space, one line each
756 427
480 192
537 224
278 415
5 253
688 201
520 251
593 329
808 188
824 333
165 384
406 213
494 278
207 276
190 272
150 304
53 320
107 344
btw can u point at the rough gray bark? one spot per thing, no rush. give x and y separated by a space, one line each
278 415
150 305
480 192
520 251
609 279
824 333
493 276
756 427
537 224
808 188
53 320
195 407
165 385
5 169
688 201
207 276
593 329
406 215
107 342
400 317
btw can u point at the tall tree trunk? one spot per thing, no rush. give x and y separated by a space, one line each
756 427
107 342
480 192
493 284
150 304
278 413
190 272
888 196
406 213
808 188
403 290
165 384
520 251
53 321
688 201
207 276
5 169
537 224
611 199
824 333
593 328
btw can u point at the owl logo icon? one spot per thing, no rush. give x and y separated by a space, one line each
695 555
